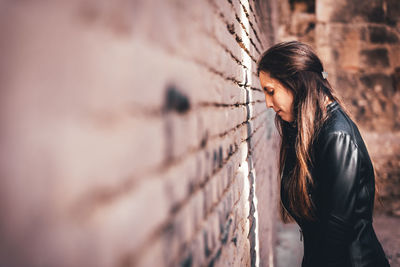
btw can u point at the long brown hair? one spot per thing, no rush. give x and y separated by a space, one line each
299 69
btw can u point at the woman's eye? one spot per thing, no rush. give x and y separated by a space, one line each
268 91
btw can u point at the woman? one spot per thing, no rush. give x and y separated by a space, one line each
327 178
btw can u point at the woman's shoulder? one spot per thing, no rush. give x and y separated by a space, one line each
339 131
338 123
340 126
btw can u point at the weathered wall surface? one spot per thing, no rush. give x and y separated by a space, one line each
134 133
363 39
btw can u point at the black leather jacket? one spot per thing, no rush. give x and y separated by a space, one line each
343 195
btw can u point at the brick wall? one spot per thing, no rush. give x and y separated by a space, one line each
134 133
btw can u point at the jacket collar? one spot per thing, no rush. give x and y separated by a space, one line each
332 106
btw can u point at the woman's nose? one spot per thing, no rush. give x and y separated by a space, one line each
268 101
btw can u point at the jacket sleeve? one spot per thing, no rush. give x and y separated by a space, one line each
340 162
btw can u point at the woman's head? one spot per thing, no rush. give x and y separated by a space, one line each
277 96
296 72
291 77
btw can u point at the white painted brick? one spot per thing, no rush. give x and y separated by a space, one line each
223 34
110 224
183 130
255 79
197 250
232 93
259 108
238 9
155 256
178 180
122 176
258 96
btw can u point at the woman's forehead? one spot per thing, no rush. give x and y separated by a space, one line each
267 80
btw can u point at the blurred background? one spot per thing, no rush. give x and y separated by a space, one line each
135 133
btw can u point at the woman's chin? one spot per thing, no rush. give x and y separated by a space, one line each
281 115
285 118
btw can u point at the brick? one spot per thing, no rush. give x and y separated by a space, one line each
258 108
239 31
213 232
224 178
393 11
247 22
86 136
254 35
396 79
226 9
157 62
197 249
182 230
394 55
221 30
219 120
355 11
189 130
254 68
377 57
180 181
383 81
258 147
210 196
382 35
113 223
155 256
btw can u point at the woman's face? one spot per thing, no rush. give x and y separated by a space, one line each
277 96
